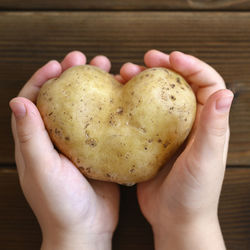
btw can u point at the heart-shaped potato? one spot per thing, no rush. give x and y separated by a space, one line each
114 132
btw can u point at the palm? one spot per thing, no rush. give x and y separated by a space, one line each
49 180
177 183
163 186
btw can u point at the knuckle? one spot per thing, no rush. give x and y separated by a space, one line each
218 131
24 136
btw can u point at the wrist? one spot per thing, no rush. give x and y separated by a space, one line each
79 241
203 233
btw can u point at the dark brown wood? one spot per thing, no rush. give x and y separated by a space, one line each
127 5
19 228
234 209
29 39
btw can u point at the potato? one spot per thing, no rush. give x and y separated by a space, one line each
114 132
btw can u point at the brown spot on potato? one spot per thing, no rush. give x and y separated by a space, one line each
150 140
78 160
145 148
119 154
132 168
91 142
88 170
50 99
178 80
57 131
67 138
173 97
127 155
108 175
119 111
100 108
172 86
159 140
112 120
50 113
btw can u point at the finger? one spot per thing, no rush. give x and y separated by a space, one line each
200 75
101 62
31 88
120 79
31 135
18 156
72 59
156 58
129 70
211 136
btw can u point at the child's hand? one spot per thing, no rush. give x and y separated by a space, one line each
181 203
74 213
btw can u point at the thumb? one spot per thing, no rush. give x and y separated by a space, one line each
29 132
211 137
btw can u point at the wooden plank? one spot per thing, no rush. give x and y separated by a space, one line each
19 228
29 39
127 5
234 208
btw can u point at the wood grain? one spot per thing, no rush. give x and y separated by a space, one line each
126 5
19 228
234 209
29 39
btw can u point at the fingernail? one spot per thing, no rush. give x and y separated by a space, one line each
223 104
18 109
130 63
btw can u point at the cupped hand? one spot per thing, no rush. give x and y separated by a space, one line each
185 193
72 211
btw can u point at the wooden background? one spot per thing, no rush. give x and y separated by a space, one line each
217 31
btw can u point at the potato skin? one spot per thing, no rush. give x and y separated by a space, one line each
117 133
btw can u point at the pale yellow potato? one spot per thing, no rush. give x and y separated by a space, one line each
113 132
